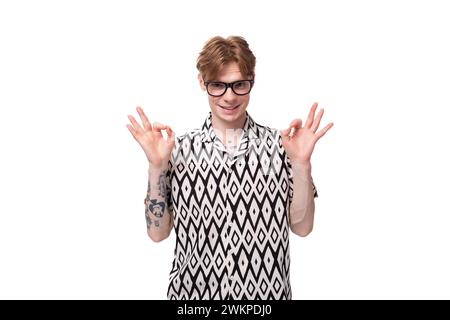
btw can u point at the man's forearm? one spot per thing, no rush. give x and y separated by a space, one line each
157 213
302 206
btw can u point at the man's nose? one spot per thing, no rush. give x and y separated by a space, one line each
229 94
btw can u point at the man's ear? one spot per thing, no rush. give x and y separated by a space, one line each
201 82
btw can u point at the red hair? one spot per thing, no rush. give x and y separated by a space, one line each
219 51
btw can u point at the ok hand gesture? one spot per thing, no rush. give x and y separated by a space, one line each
156 148
300 145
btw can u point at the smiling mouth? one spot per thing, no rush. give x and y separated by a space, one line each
229 108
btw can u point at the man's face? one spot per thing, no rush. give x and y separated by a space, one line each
228 108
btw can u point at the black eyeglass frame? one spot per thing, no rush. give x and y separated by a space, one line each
229 85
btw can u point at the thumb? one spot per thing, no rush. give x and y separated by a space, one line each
285 135
170 136
285 132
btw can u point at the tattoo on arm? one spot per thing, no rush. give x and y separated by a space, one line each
153 206
156 208
147 198
149 221
162 184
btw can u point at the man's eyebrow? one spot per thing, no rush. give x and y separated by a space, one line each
225 81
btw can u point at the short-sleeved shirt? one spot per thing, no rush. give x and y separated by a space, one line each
231 215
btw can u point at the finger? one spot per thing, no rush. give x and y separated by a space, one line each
311 115
296 127
285 132
132 131
145 121
170 134
137 127
169 131
322 132
316 122
285 135
296 123
157 127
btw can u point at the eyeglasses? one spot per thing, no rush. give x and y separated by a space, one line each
240 87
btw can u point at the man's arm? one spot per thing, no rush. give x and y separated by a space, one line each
302 207
157 214
158 151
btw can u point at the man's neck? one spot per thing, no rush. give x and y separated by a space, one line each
228 133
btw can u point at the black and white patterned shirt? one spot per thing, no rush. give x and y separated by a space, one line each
231 215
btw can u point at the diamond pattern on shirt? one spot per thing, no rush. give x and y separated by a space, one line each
230 215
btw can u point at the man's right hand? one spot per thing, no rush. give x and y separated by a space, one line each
156 148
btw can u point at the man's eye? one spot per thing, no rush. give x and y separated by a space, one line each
216 85
239 84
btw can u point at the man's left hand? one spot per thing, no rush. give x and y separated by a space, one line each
300 144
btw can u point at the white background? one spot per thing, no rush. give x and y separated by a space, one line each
73 180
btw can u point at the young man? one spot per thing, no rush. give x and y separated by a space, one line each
231 188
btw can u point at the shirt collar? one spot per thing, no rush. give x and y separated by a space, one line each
250 129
